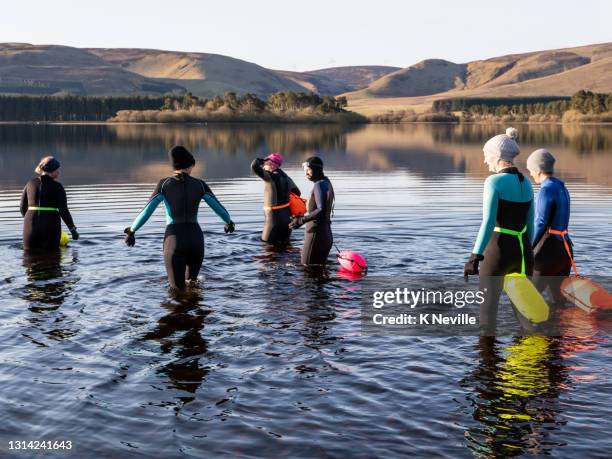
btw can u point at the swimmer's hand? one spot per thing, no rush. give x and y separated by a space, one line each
74 233
230 227
130 237
296 222
471 267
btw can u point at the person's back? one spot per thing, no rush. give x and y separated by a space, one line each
183 240
43 203
552 209
553 252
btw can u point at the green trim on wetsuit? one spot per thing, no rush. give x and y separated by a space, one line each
508 187
217 207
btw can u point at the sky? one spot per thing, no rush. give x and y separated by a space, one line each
314 34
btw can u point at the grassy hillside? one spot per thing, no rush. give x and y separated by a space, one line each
202 74
53 69
547 73
354 77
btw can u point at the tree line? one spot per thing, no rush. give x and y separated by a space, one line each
93 108
277 102
585 102
70 107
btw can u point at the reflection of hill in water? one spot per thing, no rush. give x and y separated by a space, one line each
137 153
583 152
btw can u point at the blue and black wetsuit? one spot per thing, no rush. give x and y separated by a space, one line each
277 214
552 261
507 216
43 203
184 240
318 238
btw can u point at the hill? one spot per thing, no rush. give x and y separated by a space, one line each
50 69
547 73
202 74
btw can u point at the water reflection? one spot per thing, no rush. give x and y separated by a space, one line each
49 282
179 334
514 395
137 153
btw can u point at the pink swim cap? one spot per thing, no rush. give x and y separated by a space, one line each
276 158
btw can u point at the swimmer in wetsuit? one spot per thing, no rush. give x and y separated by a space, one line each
43 204
318 238
552 247
504 239
278 185
183 240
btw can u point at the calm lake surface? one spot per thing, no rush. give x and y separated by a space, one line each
264 359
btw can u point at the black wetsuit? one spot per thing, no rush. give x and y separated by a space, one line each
277 214
184 240
42 228
318 238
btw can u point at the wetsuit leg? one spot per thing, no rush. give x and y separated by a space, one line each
183 253
502 256
552 265
317 245
41 230
276 226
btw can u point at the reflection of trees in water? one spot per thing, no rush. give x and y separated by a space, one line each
240 138
514 393
179 333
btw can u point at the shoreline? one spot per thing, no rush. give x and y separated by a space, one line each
306 123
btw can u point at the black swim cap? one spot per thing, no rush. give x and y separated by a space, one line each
314 162
47 165
181 158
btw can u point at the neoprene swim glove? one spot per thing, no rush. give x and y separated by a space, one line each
296 222
230 227
130 237
74 233
471 267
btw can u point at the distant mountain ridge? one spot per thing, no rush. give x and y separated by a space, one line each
53 69
560 72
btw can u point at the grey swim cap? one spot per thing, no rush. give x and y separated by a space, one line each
541 160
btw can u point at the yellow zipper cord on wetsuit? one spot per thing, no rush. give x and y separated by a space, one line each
519 235
44 209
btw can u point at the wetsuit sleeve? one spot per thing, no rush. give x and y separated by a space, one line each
23 204
258 169
156 198
543 213
63 208
212 201
293 187
320 201
490 201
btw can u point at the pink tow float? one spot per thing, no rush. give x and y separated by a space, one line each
352 261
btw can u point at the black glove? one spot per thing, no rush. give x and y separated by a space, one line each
296 222
230 227
260 161
75 234
130 237
471 267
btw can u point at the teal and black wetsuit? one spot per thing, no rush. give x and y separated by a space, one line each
184 240
504 238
